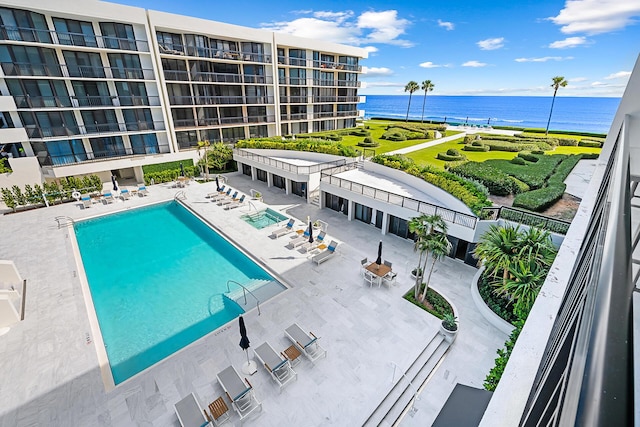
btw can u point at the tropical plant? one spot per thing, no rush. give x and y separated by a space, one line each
8 198
219 154
450 322
525 279
536 244
497 249
410 87
438 247
557 82
427 86
424 227
202 150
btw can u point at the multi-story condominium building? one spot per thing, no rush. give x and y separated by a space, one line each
108 88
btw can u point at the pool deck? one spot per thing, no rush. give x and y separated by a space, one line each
50 375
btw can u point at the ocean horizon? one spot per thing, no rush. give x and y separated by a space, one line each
581 114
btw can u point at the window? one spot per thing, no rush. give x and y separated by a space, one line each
197 45
336 203
299 188
118 36
66 152
232 134
169 42
24 25
183 117
258 131
138 119
362 213
75 33
83 64
246 169
187 139
261 175
29 61
399 227
125 66
89 94
97 121
132 93
279 181
108 146
44 124
144 144
39 93
297 76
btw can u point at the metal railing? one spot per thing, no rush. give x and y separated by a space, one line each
288 167
210 77
335 114
217 100
298 62
527 218
336 66
449 215
294 99
78 71
26 34
244 292
340 83
294 116
354 99
36 132
182 123
98 156
213 53
85 101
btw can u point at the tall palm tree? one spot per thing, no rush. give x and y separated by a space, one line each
425 228
558 82
498 249
438 247
204 146
410 87
427 86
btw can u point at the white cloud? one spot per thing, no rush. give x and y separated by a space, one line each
474 64
377 71
371 49
568 43
596 16
544 59
578 79
446 25
384 27
618 75
491 44
430 64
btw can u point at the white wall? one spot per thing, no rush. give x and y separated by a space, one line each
26 170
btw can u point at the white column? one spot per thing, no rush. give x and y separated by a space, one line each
253 173
385 222
352 208
269 179
287 186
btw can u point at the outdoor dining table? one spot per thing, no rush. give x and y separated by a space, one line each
380 270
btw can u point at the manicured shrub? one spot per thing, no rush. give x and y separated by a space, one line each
453 152
368 142
518 161
473 147
300 144
540 199
514 147
334 137
535 174
519 186
593 144
496 181
567 142
537 152
590 156
447 157
528 156
563 169
8 198
492 379
477 143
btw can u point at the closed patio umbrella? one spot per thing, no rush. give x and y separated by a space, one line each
181 169
114 182
310 232
379 259
217 184
250 367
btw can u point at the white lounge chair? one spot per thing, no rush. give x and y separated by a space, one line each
221 190
306 343
125 194
278 366
300 240
108 197
284 230
222 195
227 199
236 203
190 413
306 247
326 254
239 392
86 201
142 190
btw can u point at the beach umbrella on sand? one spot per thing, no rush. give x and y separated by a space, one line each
114 182
217 184
379 259
250 367
181 169
310 233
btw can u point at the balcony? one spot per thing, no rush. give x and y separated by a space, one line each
95 129
298 62
294 99
25 34
211 53
97 156
220 100
191 123
35 102
294 116
336 66
80 71
338 83
293 81
354 99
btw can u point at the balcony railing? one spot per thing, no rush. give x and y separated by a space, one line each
97 156
293 81
34 102
298 62
34 132
82 71
212 53
294 116
219 100
454 217
25 34
189 123
294 99
324 114
336 66
354 99
338 83
288 167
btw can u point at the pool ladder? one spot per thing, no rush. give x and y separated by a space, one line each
180 195
64 221
244 291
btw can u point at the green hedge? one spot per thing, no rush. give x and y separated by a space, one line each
567 142
533 174
472 147
590 156
514 147
169 175
159 167
518 161
16 197
450 158
496 181
440 305
528 157
314 145
520 187
492 379
499 304
563 169
540 199
593 144
455 185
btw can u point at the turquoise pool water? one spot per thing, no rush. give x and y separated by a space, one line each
264 218
157 277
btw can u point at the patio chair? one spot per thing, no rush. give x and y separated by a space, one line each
284 230
108 197
300 240
389 279
306 247
222 195
235 203
125 194
363 266
326 254
239 392
306 343
370 278
86 201
142 190
387 263
278 366
219 412
190 413
228 199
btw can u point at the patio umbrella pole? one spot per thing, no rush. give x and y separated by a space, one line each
250 368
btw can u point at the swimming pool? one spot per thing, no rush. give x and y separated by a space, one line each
264 218
158 277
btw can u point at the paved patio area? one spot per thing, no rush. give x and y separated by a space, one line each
50 372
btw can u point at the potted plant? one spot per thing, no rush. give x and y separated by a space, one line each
449 327
415 272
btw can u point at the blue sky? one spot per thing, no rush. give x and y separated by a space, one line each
501 47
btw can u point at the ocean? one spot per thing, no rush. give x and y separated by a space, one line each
569 113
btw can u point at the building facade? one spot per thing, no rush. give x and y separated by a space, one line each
112 88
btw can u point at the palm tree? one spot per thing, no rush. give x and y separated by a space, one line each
523 285
438 247
424 227
204 145
558 82
427 86
536 245
498 249
410 87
